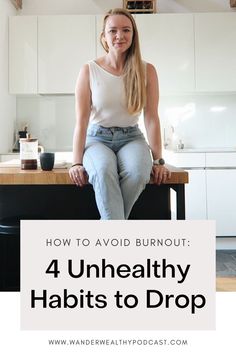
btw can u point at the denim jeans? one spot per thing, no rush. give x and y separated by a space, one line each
118 162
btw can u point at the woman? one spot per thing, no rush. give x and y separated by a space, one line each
109 150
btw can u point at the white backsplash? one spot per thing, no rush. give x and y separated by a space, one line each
49 118
199 121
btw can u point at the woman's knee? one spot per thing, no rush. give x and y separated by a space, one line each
104 173
137 177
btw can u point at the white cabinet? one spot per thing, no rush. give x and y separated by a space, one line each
190 51
211 192
215 51
221 159
47 52
195 195
185 160
221 191
195 190
65 43
167 41
221 200
23 54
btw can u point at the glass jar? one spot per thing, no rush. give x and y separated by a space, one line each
28 153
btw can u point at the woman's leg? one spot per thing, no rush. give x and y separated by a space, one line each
135 165
100 163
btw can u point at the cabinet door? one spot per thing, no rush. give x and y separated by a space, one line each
195 195
195 190
23 54
221 200
167 41
185 160
215 51
65 43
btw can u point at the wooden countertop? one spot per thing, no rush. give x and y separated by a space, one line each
226 284
14 175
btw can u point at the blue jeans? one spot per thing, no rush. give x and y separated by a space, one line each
118 162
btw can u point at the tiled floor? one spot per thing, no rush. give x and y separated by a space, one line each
226 263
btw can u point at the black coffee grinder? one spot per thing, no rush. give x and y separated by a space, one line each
21 134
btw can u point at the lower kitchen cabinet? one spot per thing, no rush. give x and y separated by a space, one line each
195 195
210 193
195 190
221 200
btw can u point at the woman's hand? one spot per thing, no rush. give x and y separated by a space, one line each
78 175
160 174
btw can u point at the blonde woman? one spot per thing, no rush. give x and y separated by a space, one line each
109 150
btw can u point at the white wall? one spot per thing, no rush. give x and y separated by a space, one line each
7 102
49 118
43 7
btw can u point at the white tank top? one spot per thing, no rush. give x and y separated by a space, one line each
108 99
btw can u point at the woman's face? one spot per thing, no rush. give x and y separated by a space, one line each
118 33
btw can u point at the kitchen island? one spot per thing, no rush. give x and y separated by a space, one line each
51 195
37 194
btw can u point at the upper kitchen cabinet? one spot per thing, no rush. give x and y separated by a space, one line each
167 41
215 51
65 43
23 54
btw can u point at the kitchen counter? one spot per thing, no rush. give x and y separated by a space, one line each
13 175
204 150
51 195
197 158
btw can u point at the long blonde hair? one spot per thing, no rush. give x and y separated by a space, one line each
134 72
